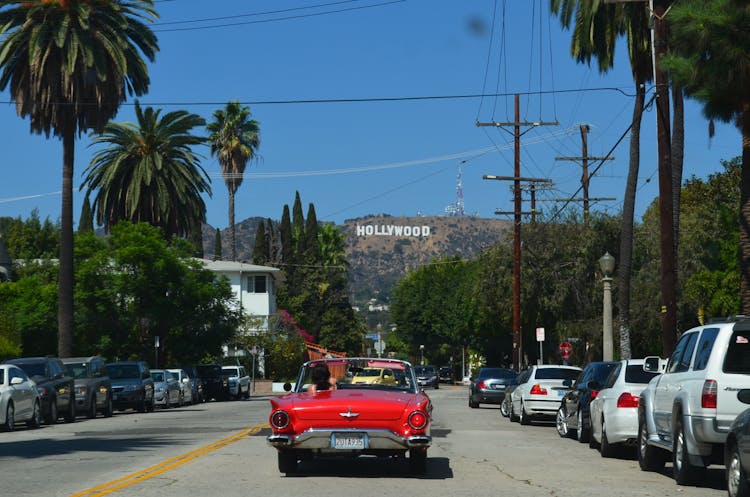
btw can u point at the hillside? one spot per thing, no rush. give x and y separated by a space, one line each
381 249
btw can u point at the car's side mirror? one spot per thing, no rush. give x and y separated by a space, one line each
16 380
287 387
593 385
653 364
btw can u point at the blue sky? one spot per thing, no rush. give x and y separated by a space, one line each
398 156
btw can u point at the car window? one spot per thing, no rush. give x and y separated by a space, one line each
675 361
157 376
601 372
737 359
77 370
495 373
705 346
34 369
613 375
556 374
636 374
121 371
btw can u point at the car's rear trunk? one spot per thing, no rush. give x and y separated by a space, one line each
360 405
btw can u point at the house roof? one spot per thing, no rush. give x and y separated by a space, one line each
237 267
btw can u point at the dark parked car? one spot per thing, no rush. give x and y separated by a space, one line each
92 385
198 394
56 388
427 376
737 451
215 384
488 387
132 386
445 373
574 411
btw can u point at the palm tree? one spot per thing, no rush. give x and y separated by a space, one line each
595 32
234 139
708 56
149 173
69 65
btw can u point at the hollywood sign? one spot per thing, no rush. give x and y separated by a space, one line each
392 230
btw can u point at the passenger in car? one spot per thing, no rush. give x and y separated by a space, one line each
321 379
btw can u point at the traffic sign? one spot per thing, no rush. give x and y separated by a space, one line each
372 336
566 350
540 334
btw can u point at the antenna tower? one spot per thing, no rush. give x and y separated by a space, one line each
457 207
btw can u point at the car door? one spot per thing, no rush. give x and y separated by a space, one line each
671 382
23 393
573 396
522 389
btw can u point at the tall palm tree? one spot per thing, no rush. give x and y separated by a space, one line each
148 172
596 29
234 140
69 65
708 56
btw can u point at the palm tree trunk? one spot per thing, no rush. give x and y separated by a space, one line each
65 288
231 225
628 214
745 214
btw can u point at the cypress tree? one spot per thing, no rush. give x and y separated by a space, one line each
287 241
273 242
217 245
196 238
311 247
260 249
298 226
86 222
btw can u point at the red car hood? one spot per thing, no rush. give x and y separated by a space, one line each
359 404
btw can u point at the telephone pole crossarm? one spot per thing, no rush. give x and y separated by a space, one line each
517 178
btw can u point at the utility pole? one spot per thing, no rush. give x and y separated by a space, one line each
516 124
584 160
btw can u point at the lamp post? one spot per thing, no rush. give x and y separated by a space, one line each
607 265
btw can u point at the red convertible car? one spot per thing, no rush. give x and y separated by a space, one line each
339 417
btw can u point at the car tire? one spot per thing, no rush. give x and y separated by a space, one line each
737 485
70 415
504 411
685 473
142 405
649 458
561 423
109 408
287 462
524 417
417 461
473 404
91 411
605 448
10 418
513 418
582 434
150 406
52 415
36 417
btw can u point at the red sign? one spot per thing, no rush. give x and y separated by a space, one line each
566 350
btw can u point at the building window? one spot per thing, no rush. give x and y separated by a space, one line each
257 284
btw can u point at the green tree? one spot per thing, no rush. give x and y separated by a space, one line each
217 245
260 249
86 221
708 52
148 172
69 65
234 140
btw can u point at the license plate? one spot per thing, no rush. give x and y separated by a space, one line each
561 393
349 441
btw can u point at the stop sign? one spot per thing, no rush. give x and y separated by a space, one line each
566 349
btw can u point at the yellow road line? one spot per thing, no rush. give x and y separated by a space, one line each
166 465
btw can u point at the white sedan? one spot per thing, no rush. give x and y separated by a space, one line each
541 392
614 411
19 399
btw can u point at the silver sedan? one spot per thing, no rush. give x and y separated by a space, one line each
19 399
614 411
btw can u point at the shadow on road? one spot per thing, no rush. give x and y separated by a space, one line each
438 468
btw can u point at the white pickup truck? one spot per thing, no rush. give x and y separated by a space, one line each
687 410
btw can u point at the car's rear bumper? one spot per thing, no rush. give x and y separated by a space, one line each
319 440
489 396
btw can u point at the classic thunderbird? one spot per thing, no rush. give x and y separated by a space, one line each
351 419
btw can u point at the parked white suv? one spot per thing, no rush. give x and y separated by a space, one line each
687 410
239 381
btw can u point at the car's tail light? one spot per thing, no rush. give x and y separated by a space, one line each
538 390
279 419
481 385
708 396
594 393
418 420
626 399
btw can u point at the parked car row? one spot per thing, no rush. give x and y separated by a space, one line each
43 389
691 410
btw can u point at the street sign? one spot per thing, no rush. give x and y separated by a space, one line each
372 336
540 334
379 346
566 350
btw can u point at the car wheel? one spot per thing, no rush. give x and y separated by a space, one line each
52 415
524 418
504 411
684 472
513 418
70 415
36 417
150 406
109 408
10 418
649 458
418 461
561 423
605 449
91 411
472 403
142 406
582 434
737 485
287 462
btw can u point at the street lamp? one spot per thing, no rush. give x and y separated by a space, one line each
421 355
607 265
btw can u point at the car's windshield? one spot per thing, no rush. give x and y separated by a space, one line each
424 370
158 376
121 371
77 370
34 369
209 370
362 373
230 372
496 373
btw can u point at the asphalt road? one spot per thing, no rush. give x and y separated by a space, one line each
219 449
